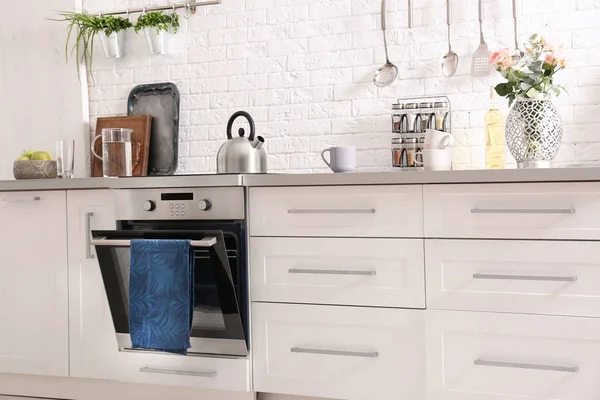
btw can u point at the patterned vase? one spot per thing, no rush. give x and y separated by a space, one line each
534 132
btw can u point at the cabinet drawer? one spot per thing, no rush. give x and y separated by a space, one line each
196 372
479 356
513 211
538 277
338 352
347 211
368 272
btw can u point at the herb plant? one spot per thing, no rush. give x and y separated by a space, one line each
83 29
159 20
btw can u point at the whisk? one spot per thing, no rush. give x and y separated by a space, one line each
412 53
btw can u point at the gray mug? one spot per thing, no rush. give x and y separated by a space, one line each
341 159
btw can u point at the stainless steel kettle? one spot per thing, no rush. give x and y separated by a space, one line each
241 155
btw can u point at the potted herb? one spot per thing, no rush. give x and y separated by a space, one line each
112 32
158 28
83 29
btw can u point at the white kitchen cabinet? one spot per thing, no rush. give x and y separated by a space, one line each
341 211
93 342
536 277
215 373
344 271
485 356
513 211
338 352
34 326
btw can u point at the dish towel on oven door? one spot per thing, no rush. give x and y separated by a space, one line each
161 295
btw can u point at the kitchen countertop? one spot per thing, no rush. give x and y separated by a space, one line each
371 178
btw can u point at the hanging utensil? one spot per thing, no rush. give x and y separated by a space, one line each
387 74
412 52
481 58
517 54
450 60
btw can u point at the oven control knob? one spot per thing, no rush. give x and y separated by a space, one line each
204 205
149 205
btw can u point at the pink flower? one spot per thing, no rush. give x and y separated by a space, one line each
507 63
495 57
551 59
543 41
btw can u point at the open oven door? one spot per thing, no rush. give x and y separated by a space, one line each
217 327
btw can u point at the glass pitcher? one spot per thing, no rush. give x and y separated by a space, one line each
116 152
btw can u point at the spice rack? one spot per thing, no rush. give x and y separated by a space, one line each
411 117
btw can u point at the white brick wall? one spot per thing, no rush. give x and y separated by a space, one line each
303 69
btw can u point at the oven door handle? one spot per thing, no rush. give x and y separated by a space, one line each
207 242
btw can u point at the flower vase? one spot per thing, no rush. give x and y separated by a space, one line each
113 44
158 41
534 132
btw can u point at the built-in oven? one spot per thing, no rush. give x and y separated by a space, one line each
212 219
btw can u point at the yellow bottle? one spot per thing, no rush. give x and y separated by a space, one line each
495 139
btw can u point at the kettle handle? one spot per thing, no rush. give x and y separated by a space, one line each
234 117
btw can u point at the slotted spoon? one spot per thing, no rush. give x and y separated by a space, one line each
481 57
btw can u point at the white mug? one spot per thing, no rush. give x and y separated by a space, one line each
341 159
436 159
438 139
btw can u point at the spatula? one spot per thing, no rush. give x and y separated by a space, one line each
481 57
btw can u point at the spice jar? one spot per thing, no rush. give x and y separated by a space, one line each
413 118
397 148
442 116
399 120
427 115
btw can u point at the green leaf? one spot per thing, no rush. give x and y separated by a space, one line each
504 89
533 93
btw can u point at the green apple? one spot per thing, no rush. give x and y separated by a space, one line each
41 156
24 158
28 153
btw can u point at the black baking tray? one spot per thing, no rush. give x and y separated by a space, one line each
161 101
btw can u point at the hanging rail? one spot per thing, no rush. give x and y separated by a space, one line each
190 5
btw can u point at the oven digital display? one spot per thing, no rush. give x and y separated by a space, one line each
177 196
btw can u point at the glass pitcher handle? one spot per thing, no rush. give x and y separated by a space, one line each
93 147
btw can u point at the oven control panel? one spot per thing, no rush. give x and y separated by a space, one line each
224 203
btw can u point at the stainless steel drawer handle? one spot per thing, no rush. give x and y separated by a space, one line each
522 211
526 278
206 242
88 233
330 272
542 367
363 354
210 374
21 199
332 211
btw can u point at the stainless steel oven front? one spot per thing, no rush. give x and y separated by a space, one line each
213 220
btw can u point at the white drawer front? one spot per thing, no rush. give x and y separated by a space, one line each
338 352
537 277
479 356
195 372
513 211
369 272
348 211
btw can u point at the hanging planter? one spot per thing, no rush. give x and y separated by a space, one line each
158 28
83 29
113 44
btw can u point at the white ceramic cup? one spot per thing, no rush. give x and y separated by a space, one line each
438 139
436 159
341 159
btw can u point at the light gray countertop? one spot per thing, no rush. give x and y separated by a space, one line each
371 178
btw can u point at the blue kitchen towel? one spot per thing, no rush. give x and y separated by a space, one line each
161 295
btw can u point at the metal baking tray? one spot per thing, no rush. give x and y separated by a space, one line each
161 101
